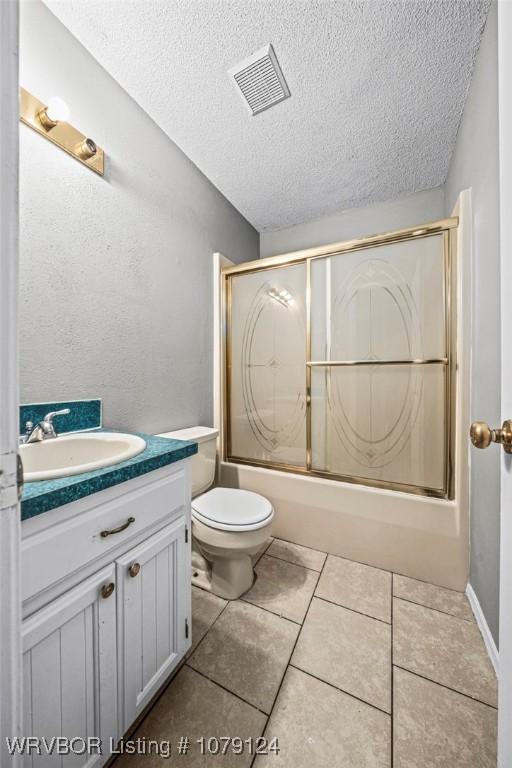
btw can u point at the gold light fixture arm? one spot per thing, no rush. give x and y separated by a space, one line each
482 435
45 119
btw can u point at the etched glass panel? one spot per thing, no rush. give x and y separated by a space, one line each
267 375
380 422
380 303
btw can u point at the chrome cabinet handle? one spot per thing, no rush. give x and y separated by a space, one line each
123 527
107 590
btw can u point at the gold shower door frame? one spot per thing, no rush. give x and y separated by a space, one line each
446 227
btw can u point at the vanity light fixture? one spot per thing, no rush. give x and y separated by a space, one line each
50 121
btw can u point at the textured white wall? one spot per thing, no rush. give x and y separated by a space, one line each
116 272
356 222
475 165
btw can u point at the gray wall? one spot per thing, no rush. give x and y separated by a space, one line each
116 272
475 165
356 222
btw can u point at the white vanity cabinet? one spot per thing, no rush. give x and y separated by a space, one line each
153 606
102 634
69 668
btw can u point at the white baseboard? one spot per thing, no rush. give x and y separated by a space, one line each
484 628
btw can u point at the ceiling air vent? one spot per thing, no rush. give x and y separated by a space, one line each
260 80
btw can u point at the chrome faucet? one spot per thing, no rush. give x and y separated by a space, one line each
44 429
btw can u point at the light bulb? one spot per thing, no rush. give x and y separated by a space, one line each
57 110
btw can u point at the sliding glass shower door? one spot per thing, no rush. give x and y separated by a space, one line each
378 359
340 364
267 407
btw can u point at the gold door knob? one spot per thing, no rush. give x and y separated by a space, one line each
482 435
134 569
107 590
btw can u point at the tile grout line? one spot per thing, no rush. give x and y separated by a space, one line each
446 687
174 674
219 685
297 565
286 541
430 608
214 682
428 583
133 729
267 610
192 652
353 610
358 562
188 658
341 690
263 552
288 665
349 559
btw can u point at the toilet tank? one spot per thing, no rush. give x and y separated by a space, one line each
203 462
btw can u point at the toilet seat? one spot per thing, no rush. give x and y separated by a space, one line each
231 509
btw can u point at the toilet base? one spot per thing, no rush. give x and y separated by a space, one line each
201 569
231 578
206 576
228 578
202 580
222 563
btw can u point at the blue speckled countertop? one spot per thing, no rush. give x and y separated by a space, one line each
43 495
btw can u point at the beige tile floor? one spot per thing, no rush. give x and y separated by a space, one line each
346 666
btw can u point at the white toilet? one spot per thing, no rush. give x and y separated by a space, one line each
229 526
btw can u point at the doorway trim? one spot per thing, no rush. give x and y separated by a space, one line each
505 153
10 592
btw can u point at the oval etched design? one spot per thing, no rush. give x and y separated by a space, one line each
272 369
374 407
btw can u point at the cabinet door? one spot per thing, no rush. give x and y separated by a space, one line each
154 615
69 671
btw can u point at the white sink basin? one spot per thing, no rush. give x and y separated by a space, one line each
74 454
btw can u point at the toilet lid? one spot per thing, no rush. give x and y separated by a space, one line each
232 509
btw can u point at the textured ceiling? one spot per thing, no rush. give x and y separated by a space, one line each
378 88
